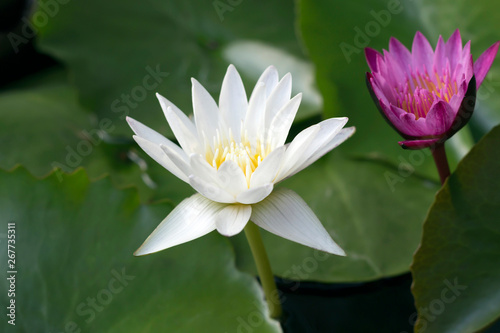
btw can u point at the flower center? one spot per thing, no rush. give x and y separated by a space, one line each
247 157
420 91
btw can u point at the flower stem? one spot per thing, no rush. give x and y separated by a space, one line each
439 155
264 269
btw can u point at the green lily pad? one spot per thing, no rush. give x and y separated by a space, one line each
76 273
43 127
456 272
121 52
378 223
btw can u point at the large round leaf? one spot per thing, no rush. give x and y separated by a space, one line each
122 52
375 218
75 270
456 271
43 127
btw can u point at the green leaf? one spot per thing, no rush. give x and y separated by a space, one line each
75 270
372 212
121 52
43 127
39 122
456 272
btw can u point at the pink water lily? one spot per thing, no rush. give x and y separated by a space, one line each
427 95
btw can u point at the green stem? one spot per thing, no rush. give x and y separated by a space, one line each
439 155
264 269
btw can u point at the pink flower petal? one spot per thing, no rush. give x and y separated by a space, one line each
422 53
392 113
397 73
465 110
408 124
439 118
440 57
483 63
454 48
371 58
400 53
418 144
466 52
386 90
456 100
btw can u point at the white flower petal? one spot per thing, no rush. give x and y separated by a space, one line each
233 102
255 115
156 153
254 195
231 178
285 214
329 128
296 149
206 112
343 135
270 79
201 168
180 161
210 190
232 219
192 218
281 123
279 96
267 170
182 127
147 133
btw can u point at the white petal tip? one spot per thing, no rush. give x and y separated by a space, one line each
130 121
141 252
342 120
224 233
161 99
327 244
137 253
271 71
145 250
232 219
351 129
336 250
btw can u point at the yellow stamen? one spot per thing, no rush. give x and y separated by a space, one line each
411 99
226 148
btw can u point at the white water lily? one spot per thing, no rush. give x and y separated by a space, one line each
232 155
